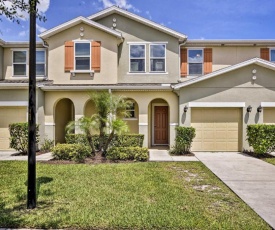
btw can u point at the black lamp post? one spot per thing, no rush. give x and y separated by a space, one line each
31 193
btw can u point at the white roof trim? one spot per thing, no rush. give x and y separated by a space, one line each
268 104
74 22
114 9
13 103
257 61
216 104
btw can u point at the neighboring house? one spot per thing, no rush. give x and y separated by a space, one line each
172 81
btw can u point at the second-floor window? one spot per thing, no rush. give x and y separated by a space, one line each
157 57
195 62
137 58
82 55
272 55
20 63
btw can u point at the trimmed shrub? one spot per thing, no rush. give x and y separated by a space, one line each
126 140
128 153
183 140
19 133
75 152
47 145
261 137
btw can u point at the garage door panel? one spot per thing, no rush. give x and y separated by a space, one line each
10 115
217 129
269 116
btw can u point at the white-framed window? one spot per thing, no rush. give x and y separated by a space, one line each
82 55
131 110
157 57
137 58
272 55
195 62
20 63
40 62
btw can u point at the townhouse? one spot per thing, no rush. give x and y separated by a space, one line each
216 86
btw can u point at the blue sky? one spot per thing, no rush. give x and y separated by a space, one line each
198 19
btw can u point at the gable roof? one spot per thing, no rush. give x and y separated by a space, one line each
117 10
257 61
76 21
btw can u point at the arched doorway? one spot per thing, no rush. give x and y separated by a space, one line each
64 113
159 122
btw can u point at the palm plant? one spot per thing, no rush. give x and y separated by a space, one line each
86 125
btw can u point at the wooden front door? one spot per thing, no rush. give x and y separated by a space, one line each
161 125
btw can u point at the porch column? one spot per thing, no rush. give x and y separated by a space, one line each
143 127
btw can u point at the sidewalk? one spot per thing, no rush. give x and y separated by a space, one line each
11 156
163 155
250 178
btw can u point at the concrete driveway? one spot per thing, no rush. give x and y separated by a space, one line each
253 180
12 156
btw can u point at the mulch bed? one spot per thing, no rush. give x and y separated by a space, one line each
190 154
259 156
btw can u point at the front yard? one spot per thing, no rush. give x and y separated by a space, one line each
122 196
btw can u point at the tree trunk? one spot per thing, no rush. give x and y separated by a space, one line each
91 141
110 138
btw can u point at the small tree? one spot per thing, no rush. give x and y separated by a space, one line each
110 110
86 125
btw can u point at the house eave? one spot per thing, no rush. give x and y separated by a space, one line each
115 9
257 61
76 21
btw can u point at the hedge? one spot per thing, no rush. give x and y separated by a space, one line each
128 153
19 133
261 137
183 140
126 140
76 152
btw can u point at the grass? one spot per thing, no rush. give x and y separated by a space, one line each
122 196
269 160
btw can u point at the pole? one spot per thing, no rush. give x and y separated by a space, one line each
31 202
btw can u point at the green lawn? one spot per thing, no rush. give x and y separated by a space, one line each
123 196
269 160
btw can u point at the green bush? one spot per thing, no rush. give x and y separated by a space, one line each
261 138
75 152
47 145
128 153
126 140
19 136
183 140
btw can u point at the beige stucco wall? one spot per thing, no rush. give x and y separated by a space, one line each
226 56
136 32
142 98
56 50
236 86
1 62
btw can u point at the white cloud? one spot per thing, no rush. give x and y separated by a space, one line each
22 33
120 3
148 14
40 28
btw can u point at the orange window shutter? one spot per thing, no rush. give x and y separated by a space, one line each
69 56
183 62
96 56
207 60
265 54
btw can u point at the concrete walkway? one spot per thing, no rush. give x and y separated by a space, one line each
253 180
11 156
163 155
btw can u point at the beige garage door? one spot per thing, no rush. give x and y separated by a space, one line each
217 129
10 115
269 115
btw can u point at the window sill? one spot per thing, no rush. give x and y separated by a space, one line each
130 119
91 72
147 73
27 77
